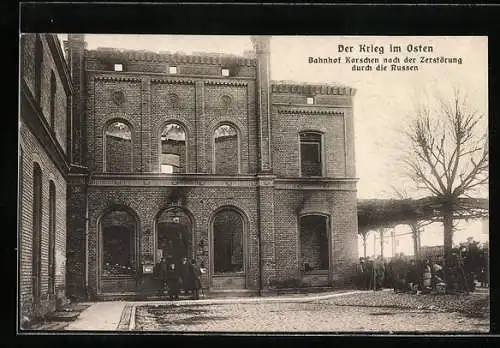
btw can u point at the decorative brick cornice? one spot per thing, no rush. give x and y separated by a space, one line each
184 180
226 83
309 110
172 81
311 89
322 184
201 58
116 78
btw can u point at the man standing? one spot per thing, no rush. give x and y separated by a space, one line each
379 269
186 276
196 279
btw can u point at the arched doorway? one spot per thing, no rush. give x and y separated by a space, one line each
119 251
228 252
314 258
174 239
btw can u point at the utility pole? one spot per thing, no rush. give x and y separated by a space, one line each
364 235
393 241
381 231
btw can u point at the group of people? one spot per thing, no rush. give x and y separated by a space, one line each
408 275
176 277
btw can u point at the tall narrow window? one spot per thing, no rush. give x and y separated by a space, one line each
52 238
53 88
226 150
173 149
37 233
310 154
118 148
38 68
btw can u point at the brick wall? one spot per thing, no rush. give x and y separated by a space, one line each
203 64
201 203
47 66
340 206
33 152
149 106
286 144
226 155
200 104
118 154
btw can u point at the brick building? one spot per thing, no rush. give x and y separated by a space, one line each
44 158
202 156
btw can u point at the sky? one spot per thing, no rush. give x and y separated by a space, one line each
384 99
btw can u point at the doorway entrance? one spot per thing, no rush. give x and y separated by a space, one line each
174 236
314 249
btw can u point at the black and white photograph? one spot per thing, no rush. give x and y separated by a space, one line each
253 183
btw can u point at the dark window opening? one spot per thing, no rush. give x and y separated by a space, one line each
173 149
38 69
314 242
37 233
118 244
310 154
52 237
118 148
53 88
174 236
226 150
228 242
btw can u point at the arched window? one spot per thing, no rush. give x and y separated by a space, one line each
173 149
228 242
53 88
311 154
36 268
118 243
118 144
52 237
314 242
226 150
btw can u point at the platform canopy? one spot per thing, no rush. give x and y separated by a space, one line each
386 213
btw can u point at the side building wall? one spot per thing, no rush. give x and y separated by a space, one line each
43 142
33 152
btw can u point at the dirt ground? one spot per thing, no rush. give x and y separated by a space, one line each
366 312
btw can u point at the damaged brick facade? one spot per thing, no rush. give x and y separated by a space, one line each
255 172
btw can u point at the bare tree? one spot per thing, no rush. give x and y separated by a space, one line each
448 156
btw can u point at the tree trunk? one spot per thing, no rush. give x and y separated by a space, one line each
448 232
416 240
448 239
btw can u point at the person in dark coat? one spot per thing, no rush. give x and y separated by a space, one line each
163 274
379 269
369 275
173 282
186 276
196 279
360 274
412 277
